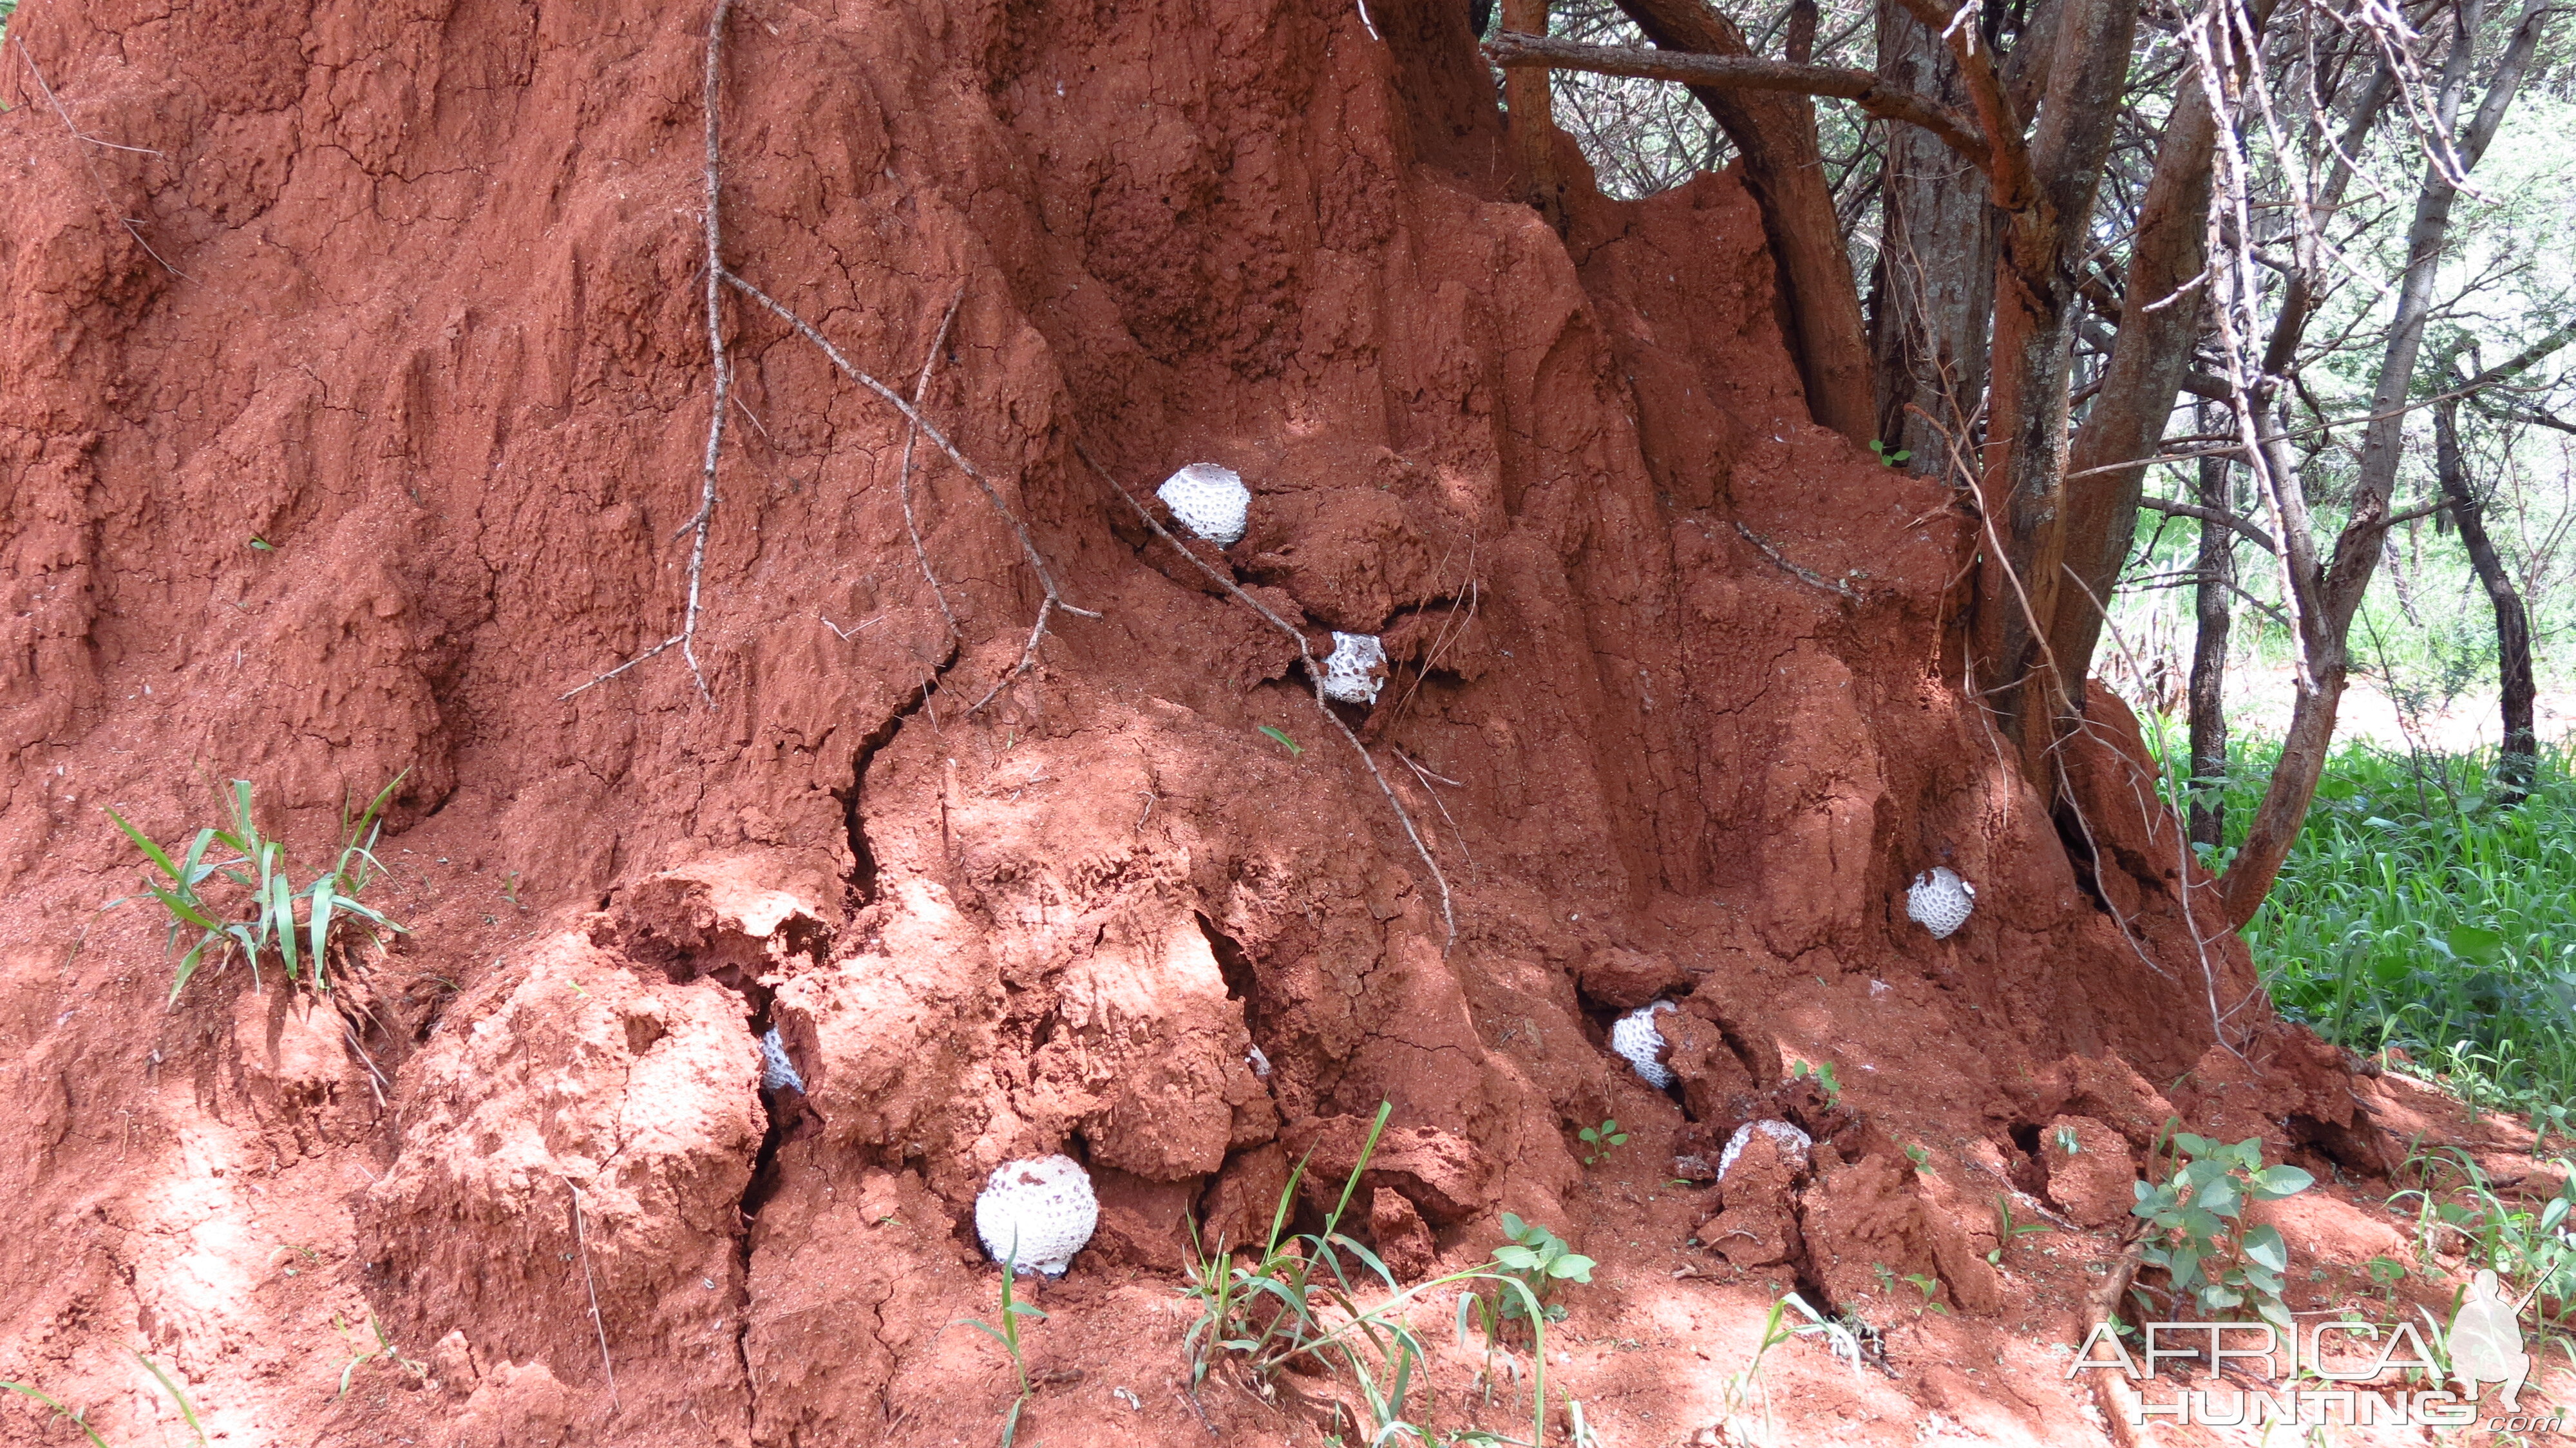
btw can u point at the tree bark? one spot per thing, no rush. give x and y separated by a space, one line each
2213 612
1933 289
2161 296
1785 170
2518 763
2023 467
2338 587
1533 120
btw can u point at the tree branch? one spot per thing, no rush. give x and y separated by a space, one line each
1512 50
2246 529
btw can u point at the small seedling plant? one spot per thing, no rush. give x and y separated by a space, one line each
2008 1231
2196 1228
1600 1141
1007 1333
1540 1260
235 888
1313 1300
1823 1076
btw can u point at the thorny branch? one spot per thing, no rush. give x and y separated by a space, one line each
903 479
1314 676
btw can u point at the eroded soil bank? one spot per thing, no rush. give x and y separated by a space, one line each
356 387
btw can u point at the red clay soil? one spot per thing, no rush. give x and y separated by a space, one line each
353 387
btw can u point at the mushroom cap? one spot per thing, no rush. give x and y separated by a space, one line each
1210 500
1356 668
1635 1037
1038 1212
1940 901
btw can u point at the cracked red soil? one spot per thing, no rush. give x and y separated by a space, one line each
383 451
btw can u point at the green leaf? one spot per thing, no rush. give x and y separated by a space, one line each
321 922
1514 1227
1571 1265
283 904
59 1410
1516 1256
1282 736
2274 1183
144 842
2264 1245
2471 942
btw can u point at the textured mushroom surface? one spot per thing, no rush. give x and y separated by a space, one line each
776 1071
1794 1144
1940 901
1355 669
1635 1037
1209 500
1038 1212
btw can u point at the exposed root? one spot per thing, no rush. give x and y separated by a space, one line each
903 479
687 637
581 1240
1807 576
1028 545
1314 675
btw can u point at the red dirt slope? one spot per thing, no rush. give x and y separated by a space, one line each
355 386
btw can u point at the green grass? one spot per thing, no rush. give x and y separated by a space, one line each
2414 912
247 904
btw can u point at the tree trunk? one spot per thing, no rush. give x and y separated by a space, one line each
1933 290
2213 611
2519 761
2161 295
2023 470
1785 170
1533 122
2338 588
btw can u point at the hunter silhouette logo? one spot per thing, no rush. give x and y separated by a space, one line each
2486 1341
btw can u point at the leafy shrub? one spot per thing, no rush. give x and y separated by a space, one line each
2196 1229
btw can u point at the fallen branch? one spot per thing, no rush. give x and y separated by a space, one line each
938 439
1806 576
1314 675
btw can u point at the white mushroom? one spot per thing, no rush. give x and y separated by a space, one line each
1940 900
776 1071
1794 1144
1355 669
1038 1212
1635 1037
1210 500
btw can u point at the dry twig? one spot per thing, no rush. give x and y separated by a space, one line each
938 439
903 479
1314 675
687 637
581 1240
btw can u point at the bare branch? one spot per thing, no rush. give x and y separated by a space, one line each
2180 509
1512 50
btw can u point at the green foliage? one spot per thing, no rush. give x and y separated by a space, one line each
1281 735
1897 458
2196 1230
1539 1259
1921 1156
2008 1231
80 1419
2416 911
1314 1299
2457 1209
1599 1141
1007 1333
262 913
1823 1076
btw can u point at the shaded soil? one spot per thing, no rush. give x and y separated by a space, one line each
355 386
